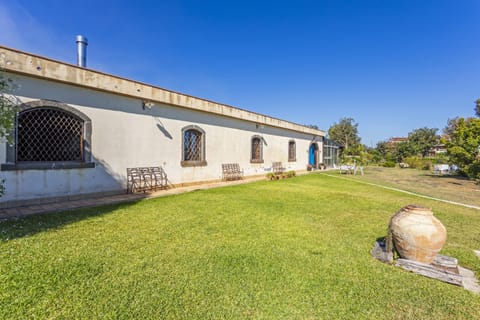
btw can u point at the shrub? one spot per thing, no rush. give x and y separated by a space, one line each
427 165
413 162
388 164
419 163
473 170
441 158
288 174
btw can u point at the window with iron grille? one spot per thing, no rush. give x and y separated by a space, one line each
291 151
48 134
192 145
257 156
193 152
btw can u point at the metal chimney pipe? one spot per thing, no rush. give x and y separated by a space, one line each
82 43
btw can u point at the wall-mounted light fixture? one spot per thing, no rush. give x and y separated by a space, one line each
147 104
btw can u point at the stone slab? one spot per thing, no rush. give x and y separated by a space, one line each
469 281
443 268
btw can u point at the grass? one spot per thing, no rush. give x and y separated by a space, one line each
290 249
448 187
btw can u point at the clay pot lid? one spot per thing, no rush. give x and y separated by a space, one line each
417 209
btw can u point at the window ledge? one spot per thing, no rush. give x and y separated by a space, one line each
256 161
193 163
46 165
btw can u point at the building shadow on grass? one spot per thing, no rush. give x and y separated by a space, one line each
445 176
30 225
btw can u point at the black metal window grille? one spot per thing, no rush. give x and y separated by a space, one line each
291 151
256 149
48 134
192 145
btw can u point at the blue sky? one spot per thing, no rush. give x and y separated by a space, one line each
393 66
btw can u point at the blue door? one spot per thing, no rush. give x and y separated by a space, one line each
311 155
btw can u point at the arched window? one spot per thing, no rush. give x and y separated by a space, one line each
257 150
50 135
292 151
193 151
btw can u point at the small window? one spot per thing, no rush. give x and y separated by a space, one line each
257 150
292 151
192 145
193 151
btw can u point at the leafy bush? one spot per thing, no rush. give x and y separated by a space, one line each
288 174
473 170
419 163
427 165
413 162
291 174
441 158
388 164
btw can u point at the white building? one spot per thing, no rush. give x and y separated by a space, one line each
78 130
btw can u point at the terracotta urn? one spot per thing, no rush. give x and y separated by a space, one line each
416 234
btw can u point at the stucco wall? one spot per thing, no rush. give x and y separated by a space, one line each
126 135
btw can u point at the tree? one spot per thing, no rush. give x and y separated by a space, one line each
346 133
8 109
312 126
382 148
422 140
449 130
464 145
403 150
477 107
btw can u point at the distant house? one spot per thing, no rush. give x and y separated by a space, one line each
395 140
437 150
392 142
78 130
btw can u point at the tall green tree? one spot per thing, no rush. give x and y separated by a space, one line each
382 148
403 150
464 145
422 140
449 130
345 132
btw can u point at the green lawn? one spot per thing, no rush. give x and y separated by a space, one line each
289 249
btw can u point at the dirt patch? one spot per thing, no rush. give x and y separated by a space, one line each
448 187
